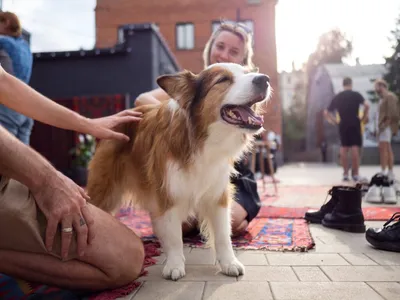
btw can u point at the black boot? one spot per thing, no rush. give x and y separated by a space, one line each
313 216
388 237
347 215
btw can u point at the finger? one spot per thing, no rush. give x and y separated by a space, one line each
87 215
66 236
118 136
83 194
129 112
51 231
81 229
127 119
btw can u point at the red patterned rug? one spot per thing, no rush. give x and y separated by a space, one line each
262 233
371 213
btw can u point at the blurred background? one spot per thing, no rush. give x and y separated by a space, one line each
96 57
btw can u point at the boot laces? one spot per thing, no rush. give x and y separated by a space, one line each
395 218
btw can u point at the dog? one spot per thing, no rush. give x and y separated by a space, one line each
180 157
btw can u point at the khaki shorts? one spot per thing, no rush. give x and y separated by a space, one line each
22 224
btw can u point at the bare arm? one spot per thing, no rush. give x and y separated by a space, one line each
20 97
329 117
364 118
153 97
22 163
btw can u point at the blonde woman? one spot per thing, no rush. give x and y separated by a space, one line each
231 42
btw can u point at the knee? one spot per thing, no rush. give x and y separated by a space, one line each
130 264
239 226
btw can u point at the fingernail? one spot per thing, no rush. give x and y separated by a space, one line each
81 253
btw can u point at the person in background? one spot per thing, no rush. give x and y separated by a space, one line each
387 125
347 103
17 51
231 42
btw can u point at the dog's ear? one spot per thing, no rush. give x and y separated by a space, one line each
179 85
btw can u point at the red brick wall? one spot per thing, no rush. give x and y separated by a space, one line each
166 13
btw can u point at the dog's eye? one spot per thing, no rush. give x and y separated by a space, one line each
223 79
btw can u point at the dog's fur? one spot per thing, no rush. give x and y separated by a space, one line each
179 160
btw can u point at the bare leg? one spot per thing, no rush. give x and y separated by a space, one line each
383 153
239 222
343 159
114 258
390 158
168 228
355 160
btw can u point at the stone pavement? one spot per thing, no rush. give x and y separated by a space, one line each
341 266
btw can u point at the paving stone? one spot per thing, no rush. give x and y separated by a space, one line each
358 259
362 273
310 274
170 290
200 257
323 291
237 291
389 290
248 258
268 273
305 259
193 273
384 257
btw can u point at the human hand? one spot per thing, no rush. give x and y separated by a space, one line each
103 128
62 201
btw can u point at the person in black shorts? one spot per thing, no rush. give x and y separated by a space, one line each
347 104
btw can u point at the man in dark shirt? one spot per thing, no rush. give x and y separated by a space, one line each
347 104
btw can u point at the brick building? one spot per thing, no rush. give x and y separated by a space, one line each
187 24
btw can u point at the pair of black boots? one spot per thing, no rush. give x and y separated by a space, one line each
343 211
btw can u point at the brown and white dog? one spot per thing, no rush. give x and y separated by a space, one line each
180 158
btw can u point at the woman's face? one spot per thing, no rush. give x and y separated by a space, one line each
227 47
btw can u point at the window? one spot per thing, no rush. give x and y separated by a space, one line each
249 24
185 36
215 25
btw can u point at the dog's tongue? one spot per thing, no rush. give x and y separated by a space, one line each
247 115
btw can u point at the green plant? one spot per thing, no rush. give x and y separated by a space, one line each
84 150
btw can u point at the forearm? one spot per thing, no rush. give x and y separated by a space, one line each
18 96
22 163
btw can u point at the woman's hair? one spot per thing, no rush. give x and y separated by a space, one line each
239 30
14 26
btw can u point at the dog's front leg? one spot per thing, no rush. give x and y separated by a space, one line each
168 229
221 224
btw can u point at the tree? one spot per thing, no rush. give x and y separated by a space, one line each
332 47
393 62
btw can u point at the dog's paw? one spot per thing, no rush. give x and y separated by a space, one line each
174 271
234 268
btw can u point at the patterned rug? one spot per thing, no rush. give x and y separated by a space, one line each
371 213
262 233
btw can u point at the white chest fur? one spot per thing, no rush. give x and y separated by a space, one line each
207 178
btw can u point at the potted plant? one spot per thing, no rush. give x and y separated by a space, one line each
82 154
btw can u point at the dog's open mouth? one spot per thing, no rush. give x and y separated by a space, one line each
242 116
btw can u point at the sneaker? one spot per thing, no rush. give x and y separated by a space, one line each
374 193
389 194
359 179
345 178
391 176
387 237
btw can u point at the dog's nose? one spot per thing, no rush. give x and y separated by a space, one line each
261 81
